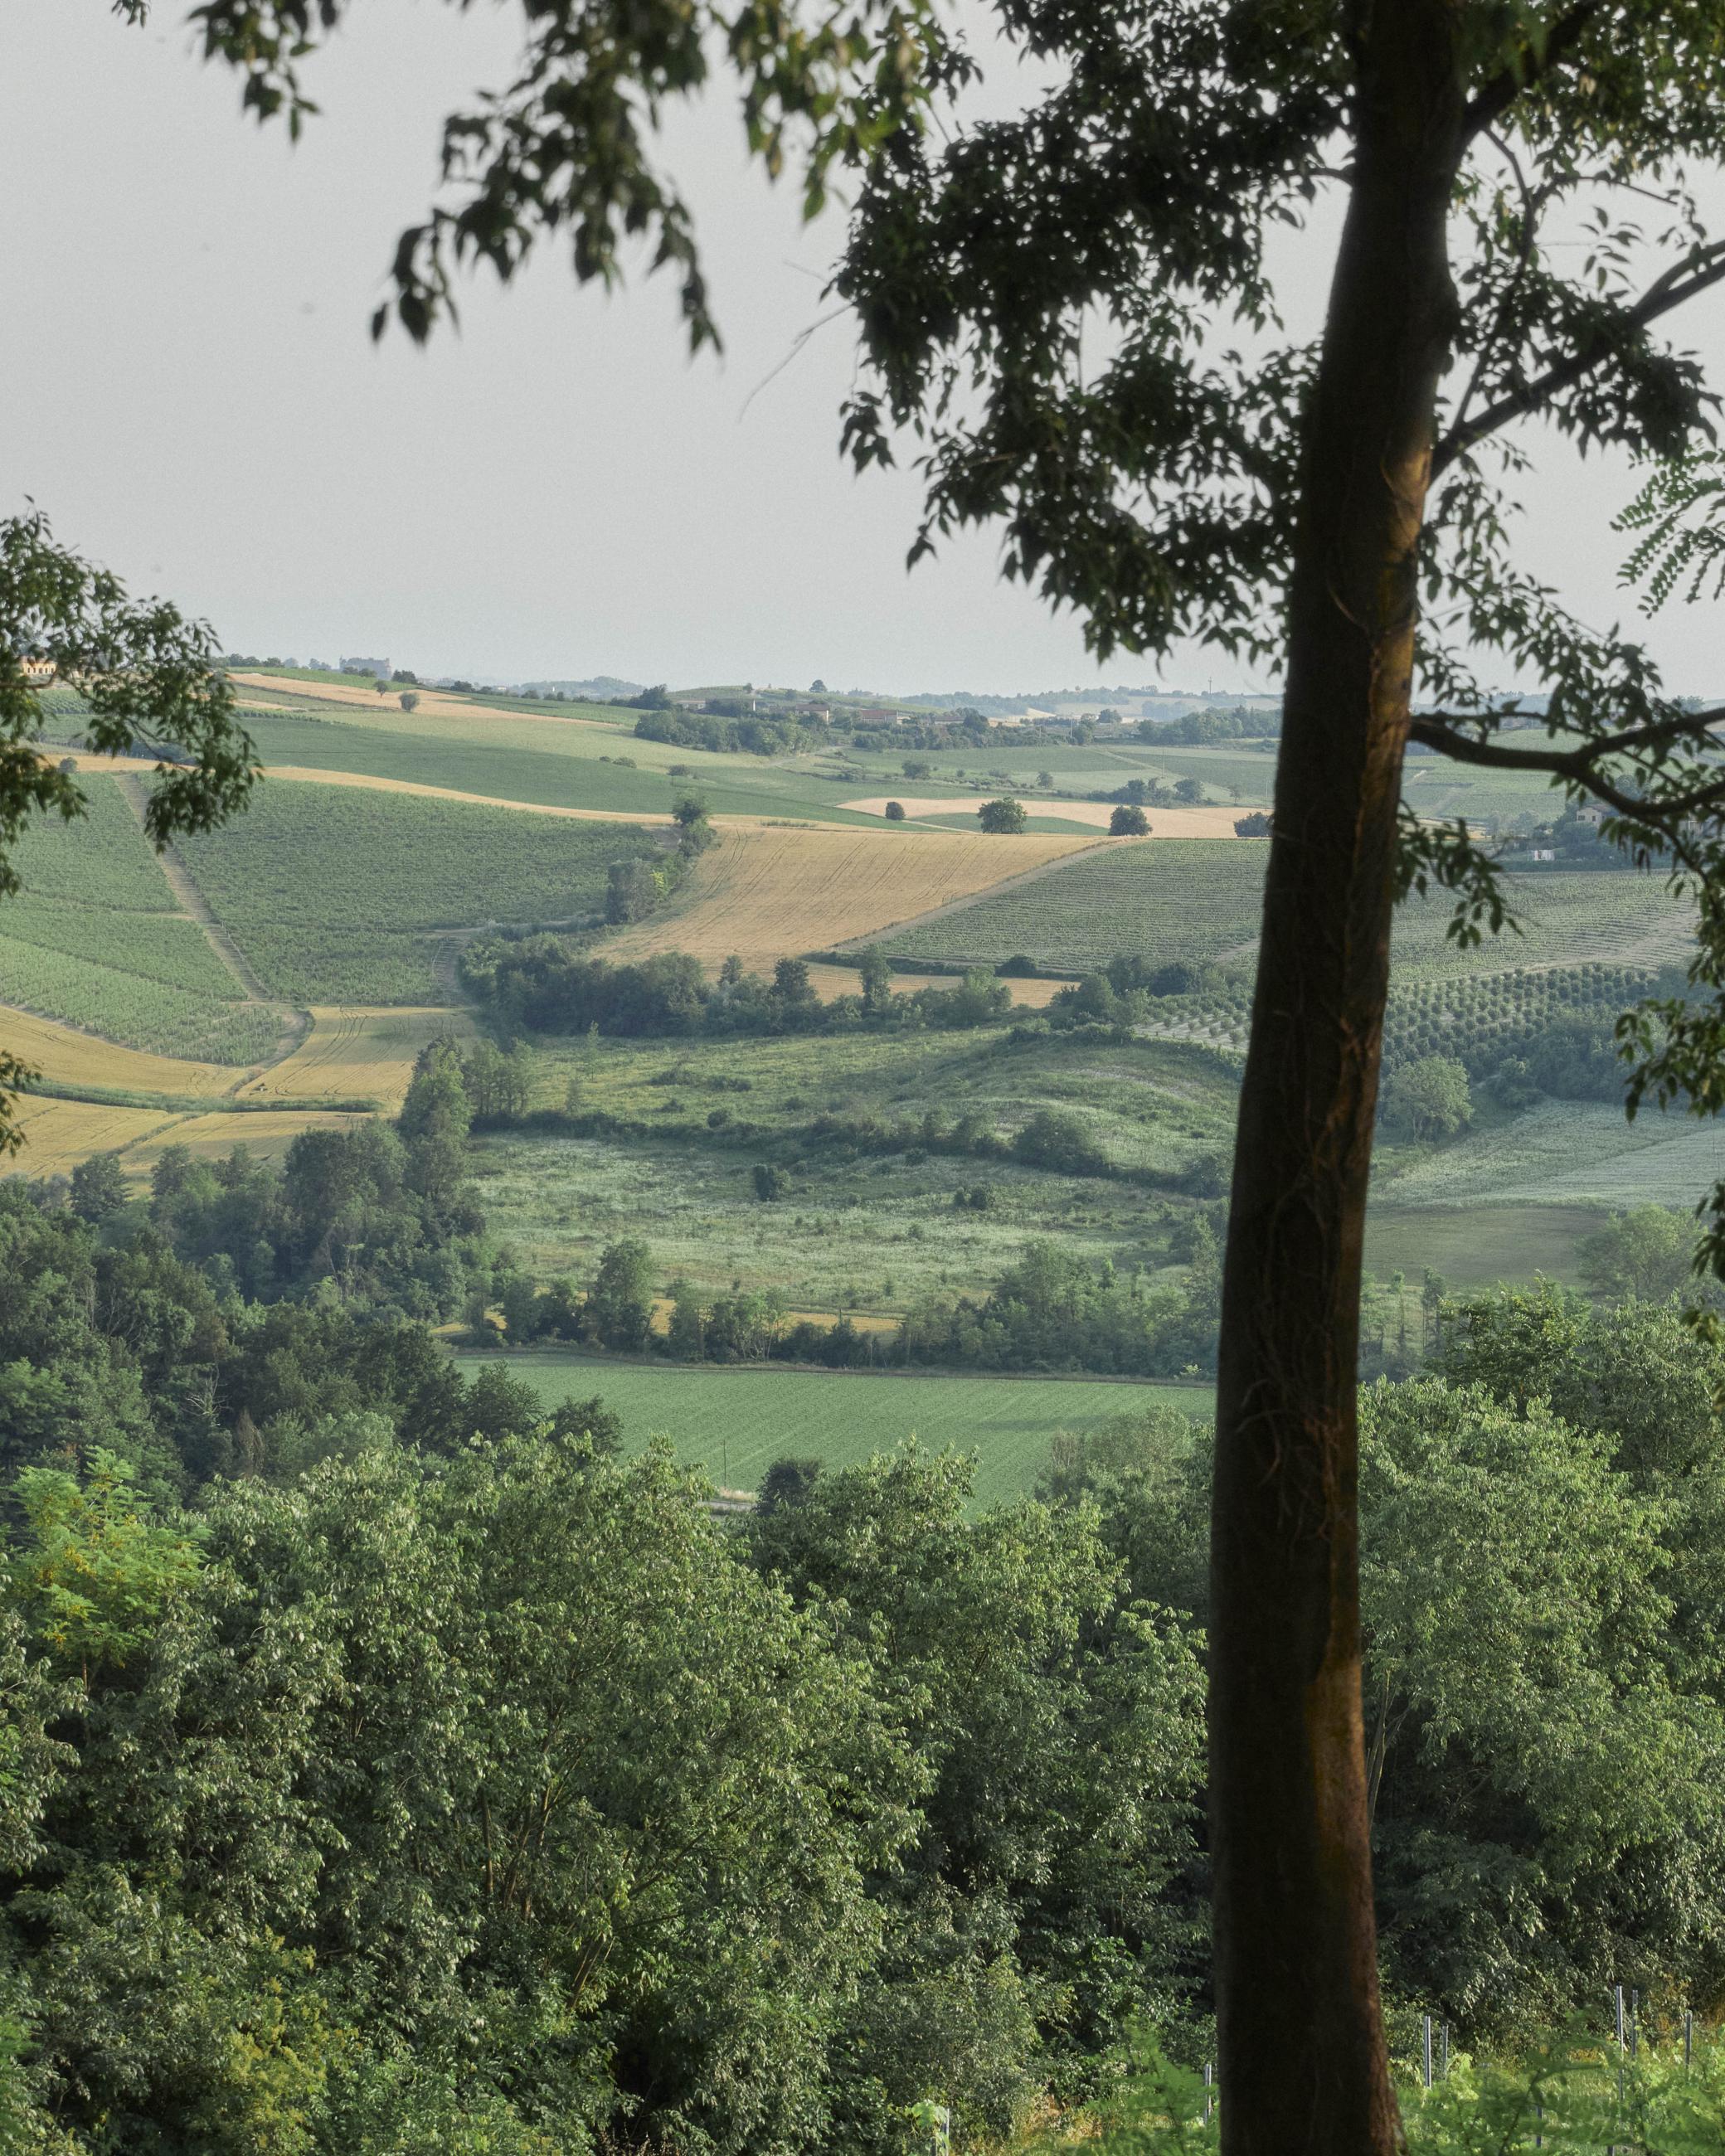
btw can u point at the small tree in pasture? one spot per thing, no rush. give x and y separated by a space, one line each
1004 816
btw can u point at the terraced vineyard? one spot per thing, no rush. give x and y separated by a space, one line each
133 1008
1479 1020
96 940
336 896
1197 901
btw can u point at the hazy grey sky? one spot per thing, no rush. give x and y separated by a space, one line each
187 386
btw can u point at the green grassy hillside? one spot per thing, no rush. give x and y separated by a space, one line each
735 1423
334 895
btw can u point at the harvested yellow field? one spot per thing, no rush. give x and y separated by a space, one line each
831 981
431 702
766 892
1210 823
80 1059
355 1051
58 1134
211 1137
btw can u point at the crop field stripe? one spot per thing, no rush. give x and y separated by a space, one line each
65 1055
358 1051
131 1009
304 775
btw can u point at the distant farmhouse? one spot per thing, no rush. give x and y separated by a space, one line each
380 667
38 672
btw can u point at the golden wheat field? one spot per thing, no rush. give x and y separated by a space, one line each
81 1059
766 891
355 1051
267 1136
432 704
58 1134
831 981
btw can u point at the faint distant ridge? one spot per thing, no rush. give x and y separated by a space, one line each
597 689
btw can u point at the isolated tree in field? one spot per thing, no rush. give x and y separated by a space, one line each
1129 821
409 699
1002 816
1428 1098
1070 308
620 1304
895 811
874 980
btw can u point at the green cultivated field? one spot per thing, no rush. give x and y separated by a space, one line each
334 895
735 1423
96 939
1197 901
553 763
157 946
1193 901
100 859
129 1008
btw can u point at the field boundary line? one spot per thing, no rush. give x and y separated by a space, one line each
306 774
295 1024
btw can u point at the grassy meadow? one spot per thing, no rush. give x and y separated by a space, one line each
735 1423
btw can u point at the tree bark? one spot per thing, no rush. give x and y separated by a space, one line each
1300 2039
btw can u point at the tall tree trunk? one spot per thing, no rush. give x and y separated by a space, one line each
1300 2040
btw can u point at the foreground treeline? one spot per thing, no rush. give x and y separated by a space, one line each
388 1767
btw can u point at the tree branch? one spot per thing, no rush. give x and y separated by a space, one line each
1440 731
1508 86
1680 283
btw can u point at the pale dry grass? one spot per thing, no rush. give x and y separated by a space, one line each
211 1137
61 1053
58 1134
355 1051
1210 823
766 892
433 703
831 981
